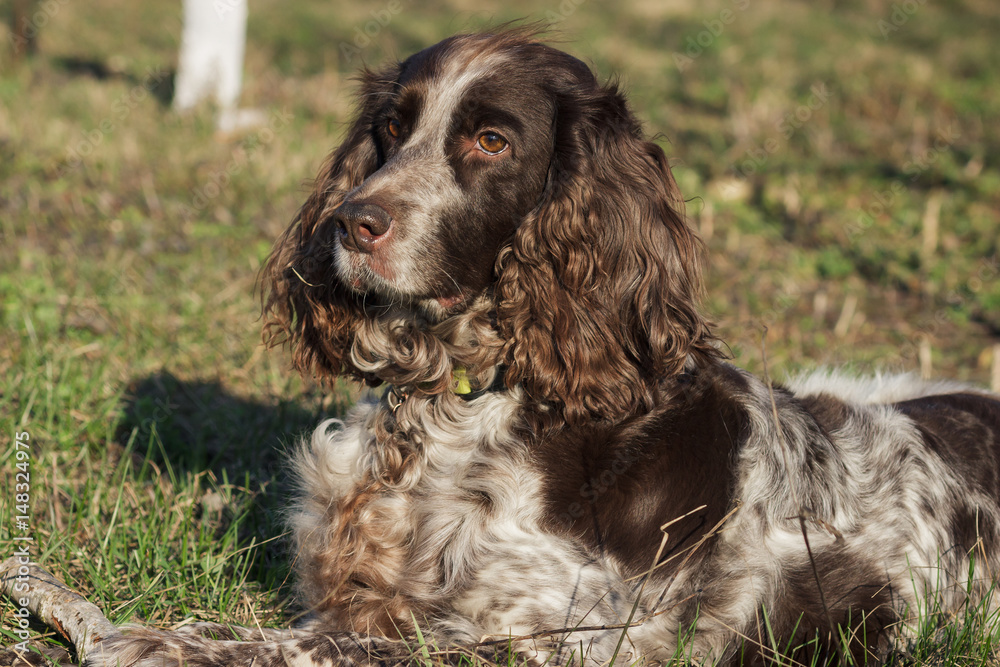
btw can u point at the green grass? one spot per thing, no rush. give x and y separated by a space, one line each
129 326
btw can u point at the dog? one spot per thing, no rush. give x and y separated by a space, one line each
562 466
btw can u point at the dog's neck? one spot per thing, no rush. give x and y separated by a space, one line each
461 386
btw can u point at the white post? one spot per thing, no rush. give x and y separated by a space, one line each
211 59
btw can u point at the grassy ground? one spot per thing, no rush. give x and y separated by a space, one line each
842 163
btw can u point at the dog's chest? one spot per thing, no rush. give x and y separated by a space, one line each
461 482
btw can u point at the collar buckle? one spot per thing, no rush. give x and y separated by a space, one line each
396 397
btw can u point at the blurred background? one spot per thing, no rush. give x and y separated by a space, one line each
841 160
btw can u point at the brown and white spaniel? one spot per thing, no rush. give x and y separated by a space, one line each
561 466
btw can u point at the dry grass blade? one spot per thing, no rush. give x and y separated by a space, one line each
555 631
783 447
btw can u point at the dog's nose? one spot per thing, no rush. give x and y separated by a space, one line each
362 226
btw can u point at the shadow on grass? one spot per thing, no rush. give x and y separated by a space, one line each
195 428
200 426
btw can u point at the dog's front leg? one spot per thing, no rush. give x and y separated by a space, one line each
148 647
98 643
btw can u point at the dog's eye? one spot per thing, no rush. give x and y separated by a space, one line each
492 143
393 127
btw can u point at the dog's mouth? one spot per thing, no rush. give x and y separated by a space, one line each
380 282
377 291
449 302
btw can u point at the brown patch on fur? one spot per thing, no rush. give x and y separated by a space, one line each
830 412
974 532
613 485
860 603
964 430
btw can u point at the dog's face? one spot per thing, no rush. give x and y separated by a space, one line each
493 205
462 134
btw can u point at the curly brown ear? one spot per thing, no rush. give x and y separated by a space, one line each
304 303
598 291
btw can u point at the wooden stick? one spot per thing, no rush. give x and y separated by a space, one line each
55 604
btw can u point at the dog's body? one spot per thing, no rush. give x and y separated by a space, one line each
495 219
496 537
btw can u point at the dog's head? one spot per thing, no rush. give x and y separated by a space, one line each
493 205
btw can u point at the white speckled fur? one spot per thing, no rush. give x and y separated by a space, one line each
491 564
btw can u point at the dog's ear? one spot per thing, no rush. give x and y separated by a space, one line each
598 291
304 303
